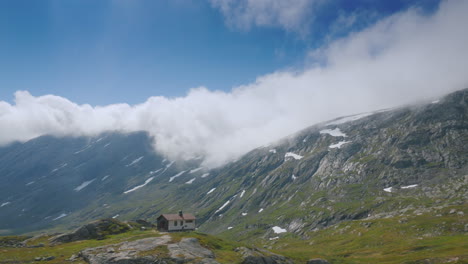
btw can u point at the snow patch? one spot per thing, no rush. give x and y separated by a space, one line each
244 214
272 151
60 216
155 171
29 183
409 186
105 177
175 176
222 207
106 145
333 132
195 170
5 204
339 144
139 186
83 185
205 175
81 150
135 161
210 191
389 189
60 167
261 210
169 165
279 230
229 228
242 193
191 181
293 177
115 216
293 155
435 102
274 238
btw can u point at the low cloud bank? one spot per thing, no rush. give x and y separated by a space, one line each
400 60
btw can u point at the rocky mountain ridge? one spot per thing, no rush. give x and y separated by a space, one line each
388 163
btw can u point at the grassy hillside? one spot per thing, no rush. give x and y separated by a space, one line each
223 249
435 237
424 238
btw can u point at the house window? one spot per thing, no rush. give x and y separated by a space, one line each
181 222
189 221
175 223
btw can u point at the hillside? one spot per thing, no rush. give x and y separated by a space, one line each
388 168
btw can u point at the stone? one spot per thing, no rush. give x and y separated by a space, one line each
258 256
94 230
134 252
317 261
189 248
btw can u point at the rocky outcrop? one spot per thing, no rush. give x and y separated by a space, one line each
257 256
150 250
189 248
13 241
317 261
94 230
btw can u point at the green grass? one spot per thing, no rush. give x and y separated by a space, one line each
223 249
62 252
438 236
394 240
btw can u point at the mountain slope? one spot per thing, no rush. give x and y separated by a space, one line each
389 163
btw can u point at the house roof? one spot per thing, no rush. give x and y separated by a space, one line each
185 216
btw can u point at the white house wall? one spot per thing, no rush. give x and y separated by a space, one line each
185 225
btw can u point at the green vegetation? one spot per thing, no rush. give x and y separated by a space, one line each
223 249
415 239
62 252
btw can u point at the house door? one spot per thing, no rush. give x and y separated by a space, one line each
163 225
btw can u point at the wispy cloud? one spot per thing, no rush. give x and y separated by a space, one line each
399 60
292 15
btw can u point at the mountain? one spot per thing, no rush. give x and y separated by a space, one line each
390 163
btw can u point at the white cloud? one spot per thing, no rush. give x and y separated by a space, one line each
401 59
292 15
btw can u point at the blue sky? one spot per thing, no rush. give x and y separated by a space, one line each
265 68
103 52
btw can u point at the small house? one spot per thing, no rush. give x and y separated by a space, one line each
176 222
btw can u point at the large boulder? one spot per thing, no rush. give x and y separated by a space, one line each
94 230
317 261
127 252
189 248
150 250
258 256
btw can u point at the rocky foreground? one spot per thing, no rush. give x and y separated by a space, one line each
139 244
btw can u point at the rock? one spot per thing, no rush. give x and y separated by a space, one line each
189 248
125 252
257 256
317 261
48 258
94 230
74 258
13 241
140 252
